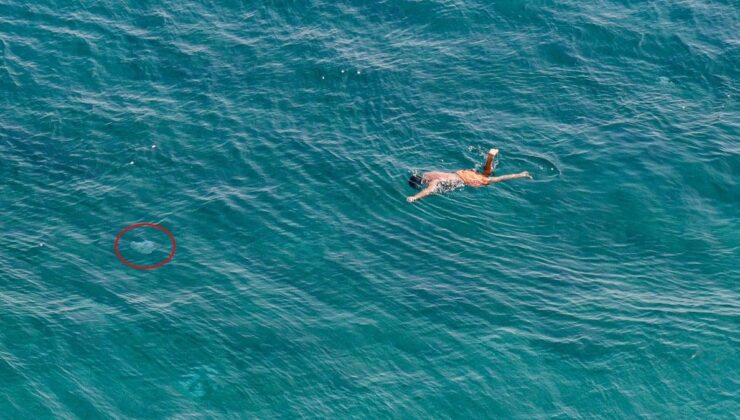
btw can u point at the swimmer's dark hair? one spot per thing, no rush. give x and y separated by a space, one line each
415 181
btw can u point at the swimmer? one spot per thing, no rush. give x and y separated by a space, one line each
469 177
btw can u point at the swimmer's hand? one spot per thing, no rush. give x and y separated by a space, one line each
526 174
411 199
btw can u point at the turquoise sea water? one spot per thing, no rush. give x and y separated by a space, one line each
274 140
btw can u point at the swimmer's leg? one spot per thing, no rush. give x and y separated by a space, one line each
503 178
488 169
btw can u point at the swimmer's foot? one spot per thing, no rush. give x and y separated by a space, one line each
493 152
526 174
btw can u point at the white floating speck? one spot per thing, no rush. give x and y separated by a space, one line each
154 146
131 163
342 70
322 77
358 72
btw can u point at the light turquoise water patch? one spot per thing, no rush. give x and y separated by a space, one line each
274 140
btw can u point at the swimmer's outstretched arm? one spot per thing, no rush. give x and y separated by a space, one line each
429 190
503 178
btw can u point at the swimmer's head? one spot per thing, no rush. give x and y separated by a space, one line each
415 181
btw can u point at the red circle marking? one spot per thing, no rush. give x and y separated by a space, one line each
144 267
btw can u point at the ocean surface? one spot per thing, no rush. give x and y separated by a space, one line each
274 140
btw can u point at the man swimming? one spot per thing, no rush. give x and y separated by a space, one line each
469 177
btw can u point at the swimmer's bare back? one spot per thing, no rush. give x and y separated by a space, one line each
467 177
